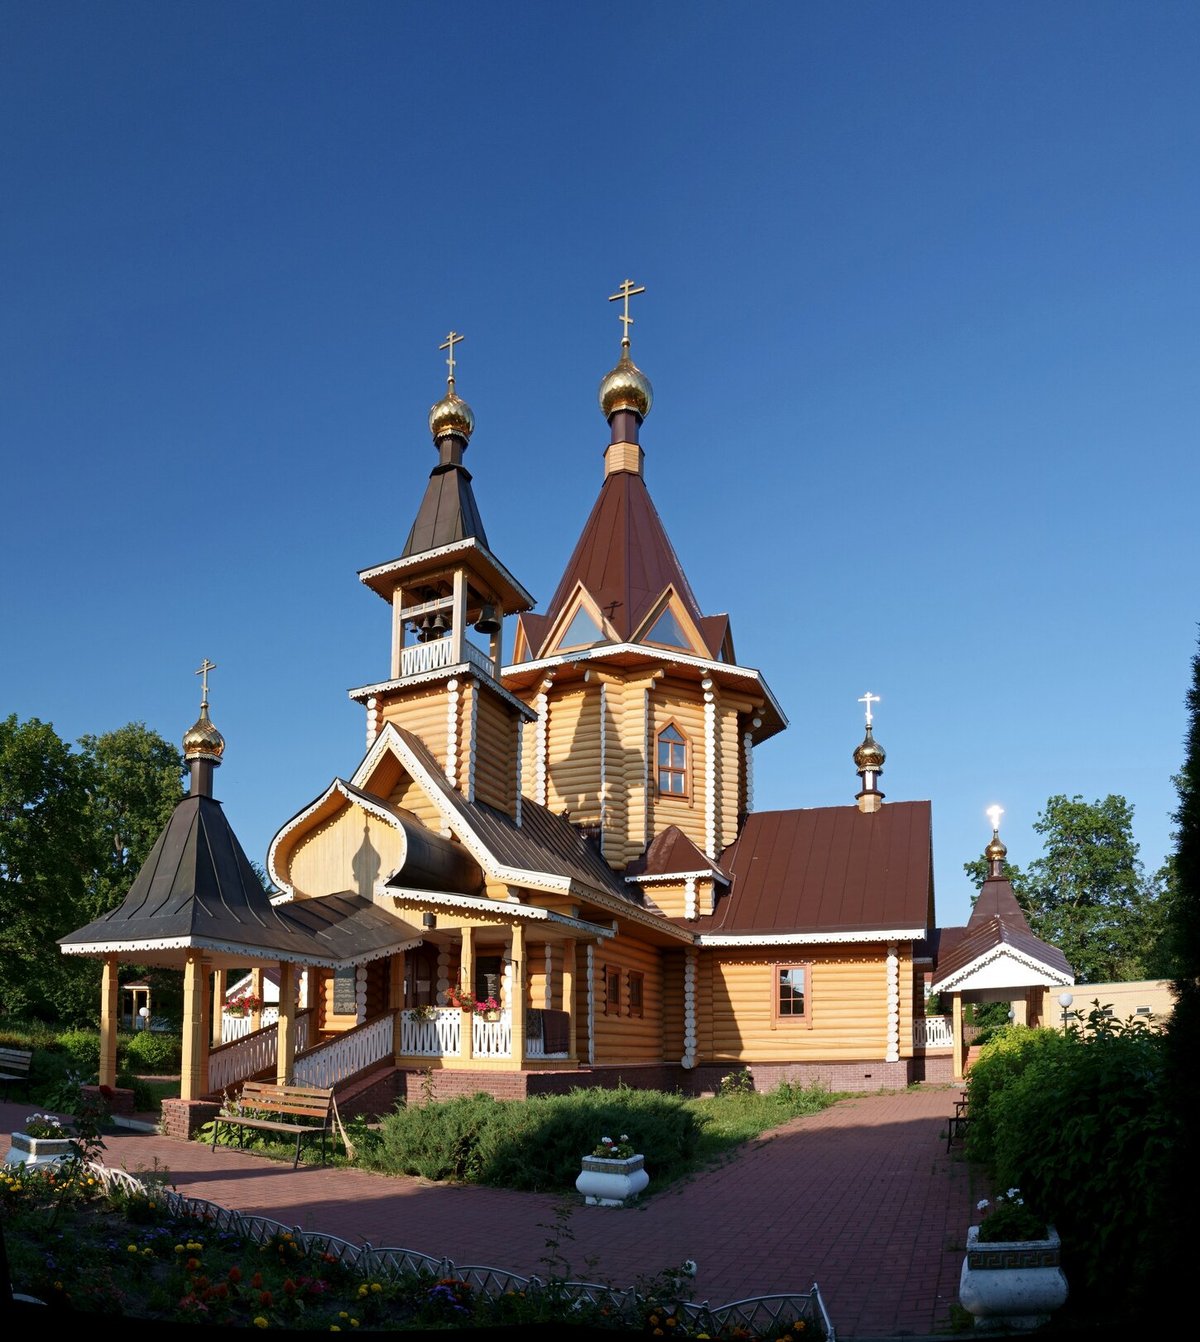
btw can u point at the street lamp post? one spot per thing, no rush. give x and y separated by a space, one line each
1064 1001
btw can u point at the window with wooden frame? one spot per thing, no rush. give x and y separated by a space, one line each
793 993
672 762
612 990
636 986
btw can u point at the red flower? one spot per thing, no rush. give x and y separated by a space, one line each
256 1280
264 1299
289 1286
235 1273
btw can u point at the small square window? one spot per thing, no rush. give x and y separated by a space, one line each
792 993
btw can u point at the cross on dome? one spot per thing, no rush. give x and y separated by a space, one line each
448 344
993 814
202 670
869 699
626 292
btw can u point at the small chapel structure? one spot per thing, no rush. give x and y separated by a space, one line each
548 871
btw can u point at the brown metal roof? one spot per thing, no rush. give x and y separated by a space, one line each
989 933
448 512
997 900
828 869
670 852
625 560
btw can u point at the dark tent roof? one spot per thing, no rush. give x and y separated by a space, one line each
996 920
671 852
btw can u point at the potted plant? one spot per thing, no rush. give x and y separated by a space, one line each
488 1008
613 1174
1012 1273
461 997
243 1004
42 1140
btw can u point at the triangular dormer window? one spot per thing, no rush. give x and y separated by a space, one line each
582 632
666 630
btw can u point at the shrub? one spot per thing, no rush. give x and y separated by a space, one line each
1004 1058
82 1047
151 1053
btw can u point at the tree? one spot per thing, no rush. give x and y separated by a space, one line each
1087 894
75 826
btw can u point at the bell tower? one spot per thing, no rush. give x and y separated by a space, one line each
448 596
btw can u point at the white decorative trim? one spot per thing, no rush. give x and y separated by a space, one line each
548 995
443 974
508 909
893 1004
710 769
959 979
748 748
246 954
386 687
453 548
520 781
591 1004
452 733
807 938
610 650
666 878
603 758
689 898
372 719
360 994
473 744
647 764
688 1060
540 763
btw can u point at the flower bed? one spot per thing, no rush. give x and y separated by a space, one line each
92 1239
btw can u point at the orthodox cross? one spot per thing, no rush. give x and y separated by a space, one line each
626 291
993 814
451 340
869 699
202 670
612 608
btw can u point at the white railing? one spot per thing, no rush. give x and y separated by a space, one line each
492 1038
230 1063
237 1027
536 1048
435 1037
336 1059
421 657
933 1032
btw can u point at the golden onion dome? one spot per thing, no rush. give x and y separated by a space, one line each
202 740
995 851
451 415
870 754
626 388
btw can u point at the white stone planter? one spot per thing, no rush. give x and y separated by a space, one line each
1012 1283
27 1150
611 1183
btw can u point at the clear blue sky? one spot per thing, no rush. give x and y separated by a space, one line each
920 315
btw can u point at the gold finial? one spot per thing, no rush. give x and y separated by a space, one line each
449 343
869 699
626 292
202 670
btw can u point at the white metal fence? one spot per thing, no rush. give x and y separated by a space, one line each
933 1032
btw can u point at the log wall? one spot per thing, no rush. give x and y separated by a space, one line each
621 1037
350 851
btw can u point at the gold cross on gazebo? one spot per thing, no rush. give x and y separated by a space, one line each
626 292
449 343
202 670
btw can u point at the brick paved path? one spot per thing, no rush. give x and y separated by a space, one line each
861 1199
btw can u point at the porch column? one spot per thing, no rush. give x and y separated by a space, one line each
285 1049
396 999
568 995
220 983
193 1079
517 1005
466 976
1020 1009
256 987
109 1009
957 1020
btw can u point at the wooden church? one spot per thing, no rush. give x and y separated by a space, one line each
548 871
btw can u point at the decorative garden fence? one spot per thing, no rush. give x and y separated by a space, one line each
757 1314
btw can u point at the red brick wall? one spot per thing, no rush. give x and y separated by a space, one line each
184 1118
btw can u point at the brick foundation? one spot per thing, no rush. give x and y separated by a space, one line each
184 1118
116 1099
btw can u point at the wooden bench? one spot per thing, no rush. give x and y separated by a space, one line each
300 1111
14 1067
958 1122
